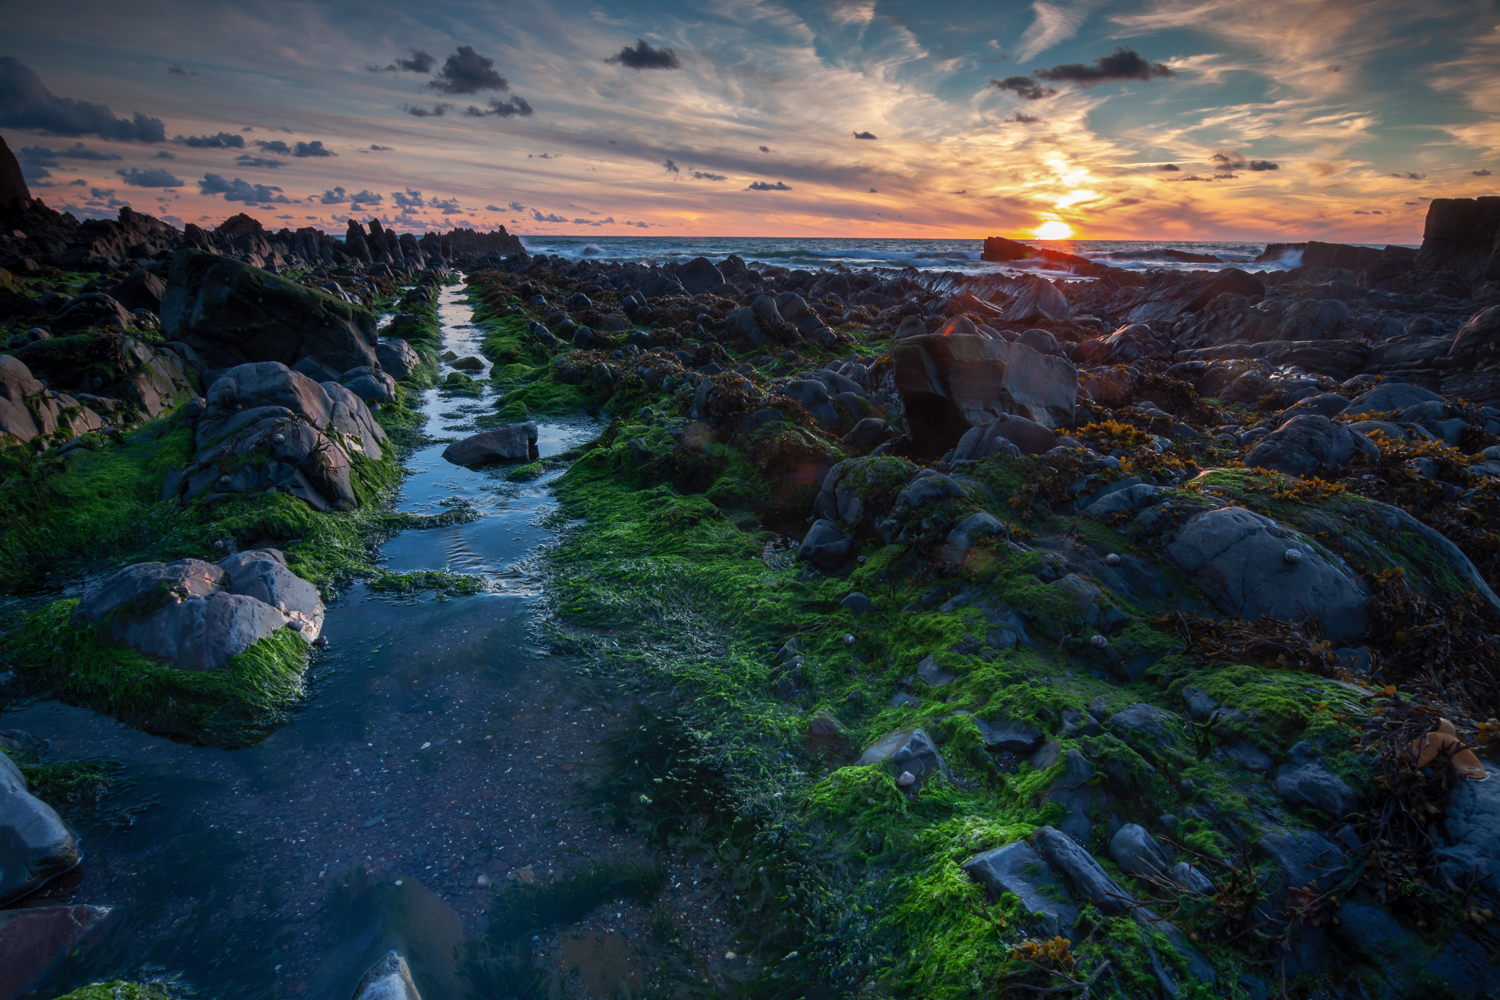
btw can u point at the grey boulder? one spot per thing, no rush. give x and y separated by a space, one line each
1390 396
949 384
1019 869
515 443
1309 444
370 384
1137 852
262 574
907 750
398 358
35 844
1470 845
1005 435
1478 340
199 633
1307 783
1239 559
825 545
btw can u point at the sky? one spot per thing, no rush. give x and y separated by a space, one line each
1145 119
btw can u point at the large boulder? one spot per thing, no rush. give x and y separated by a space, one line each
233 314
196 615
1035 298
35 844
951 384
1129 343
398 358
1244 562
200 633
1469 848
514 443
1478 340
1310 444
1005 435
114 369
825 545
263 575
92 309
307 430
28 409
141 290
1019 869
1390 396
143 588
699 275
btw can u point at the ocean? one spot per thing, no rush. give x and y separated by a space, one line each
925 255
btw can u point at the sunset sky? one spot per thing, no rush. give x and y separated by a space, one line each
1154 119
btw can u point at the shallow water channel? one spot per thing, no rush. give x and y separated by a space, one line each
438 756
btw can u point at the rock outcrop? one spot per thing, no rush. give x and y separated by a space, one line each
234 314
299 435
196 615
950 384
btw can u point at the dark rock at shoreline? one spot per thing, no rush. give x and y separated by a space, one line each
35 940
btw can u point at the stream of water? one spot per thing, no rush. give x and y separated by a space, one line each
436 754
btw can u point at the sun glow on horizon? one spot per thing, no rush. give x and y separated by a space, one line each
1053 229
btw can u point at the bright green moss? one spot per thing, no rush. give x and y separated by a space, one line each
119 990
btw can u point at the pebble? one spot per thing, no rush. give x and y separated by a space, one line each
1294 556
1098 642
906 780
1113 559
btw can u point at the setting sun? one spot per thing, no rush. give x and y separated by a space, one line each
1054 229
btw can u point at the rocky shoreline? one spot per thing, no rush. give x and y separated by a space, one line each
1026 632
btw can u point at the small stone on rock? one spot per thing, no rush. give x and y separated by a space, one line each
1113 559
1098 642
1293 555
906 780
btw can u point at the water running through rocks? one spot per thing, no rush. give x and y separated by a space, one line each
439 760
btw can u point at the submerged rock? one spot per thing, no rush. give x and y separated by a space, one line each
35 940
